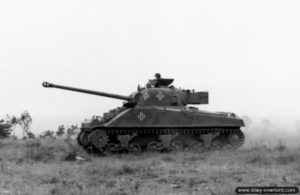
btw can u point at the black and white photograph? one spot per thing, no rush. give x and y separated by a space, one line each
149 97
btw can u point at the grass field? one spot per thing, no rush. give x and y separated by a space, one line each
48 166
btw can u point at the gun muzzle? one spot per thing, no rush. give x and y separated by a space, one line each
46 84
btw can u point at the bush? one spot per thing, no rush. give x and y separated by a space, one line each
39 153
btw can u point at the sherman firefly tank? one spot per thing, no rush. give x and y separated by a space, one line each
158 117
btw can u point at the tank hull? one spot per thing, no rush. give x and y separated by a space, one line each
163 128
157 117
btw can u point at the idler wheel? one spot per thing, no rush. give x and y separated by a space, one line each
78 138
83 138
98 139
234 139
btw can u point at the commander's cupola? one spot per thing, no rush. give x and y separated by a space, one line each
159 82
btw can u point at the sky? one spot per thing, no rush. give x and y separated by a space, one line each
245 53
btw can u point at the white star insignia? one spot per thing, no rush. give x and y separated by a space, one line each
145 95
160 96
141 116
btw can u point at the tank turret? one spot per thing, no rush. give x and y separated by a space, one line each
157 92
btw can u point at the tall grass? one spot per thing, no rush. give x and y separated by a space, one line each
278 155
38 150
44 165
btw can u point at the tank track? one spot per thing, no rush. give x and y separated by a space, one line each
115 140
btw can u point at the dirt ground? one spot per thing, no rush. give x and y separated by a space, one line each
49 166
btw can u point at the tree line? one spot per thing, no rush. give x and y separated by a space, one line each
9 123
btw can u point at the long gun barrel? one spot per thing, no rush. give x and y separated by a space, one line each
121 97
